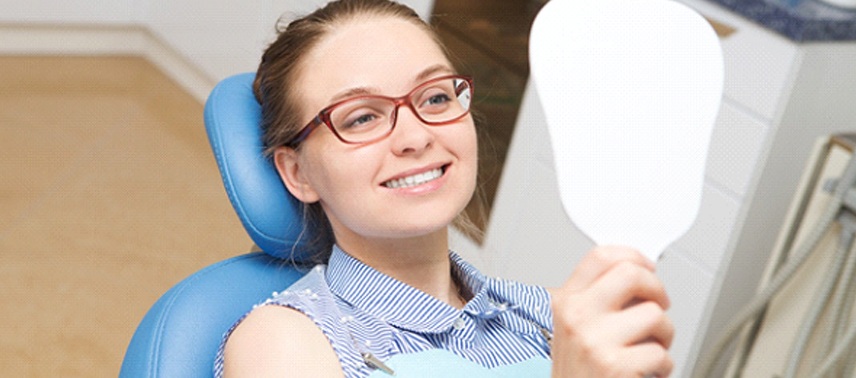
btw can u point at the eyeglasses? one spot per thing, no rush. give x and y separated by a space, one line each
365 119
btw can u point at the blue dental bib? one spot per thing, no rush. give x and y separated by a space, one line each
439 363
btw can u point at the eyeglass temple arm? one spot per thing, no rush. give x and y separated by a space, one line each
306 131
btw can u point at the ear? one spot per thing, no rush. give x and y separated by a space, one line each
288 164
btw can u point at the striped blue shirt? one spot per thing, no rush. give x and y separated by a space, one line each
362 310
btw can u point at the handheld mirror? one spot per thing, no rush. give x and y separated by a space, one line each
630 90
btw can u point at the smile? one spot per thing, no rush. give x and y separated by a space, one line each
414 180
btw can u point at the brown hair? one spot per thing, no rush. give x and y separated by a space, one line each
280 67
281 62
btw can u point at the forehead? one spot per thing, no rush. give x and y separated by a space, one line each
382 53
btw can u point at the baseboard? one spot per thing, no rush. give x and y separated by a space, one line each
21 39
178 68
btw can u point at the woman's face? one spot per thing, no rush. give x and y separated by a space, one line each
385 56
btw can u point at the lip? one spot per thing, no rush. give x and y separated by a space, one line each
425 187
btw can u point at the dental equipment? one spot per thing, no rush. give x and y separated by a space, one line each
825 331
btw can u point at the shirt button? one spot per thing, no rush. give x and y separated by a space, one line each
459 324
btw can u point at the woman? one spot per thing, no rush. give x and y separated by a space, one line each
369 124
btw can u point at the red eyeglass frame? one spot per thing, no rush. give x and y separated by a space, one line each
323 116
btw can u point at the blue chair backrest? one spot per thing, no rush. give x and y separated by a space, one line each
270 214
180 334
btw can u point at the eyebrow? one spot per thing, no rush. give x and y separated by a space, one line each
431 71
422 76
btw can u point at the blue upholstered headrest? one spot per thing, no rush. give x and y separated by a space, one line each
270 214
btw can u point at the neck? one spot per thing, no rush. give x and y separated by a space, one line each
421 262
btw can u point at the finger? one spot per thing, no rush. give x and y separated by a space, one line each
642 323
600 260
646 322
648 360
627 283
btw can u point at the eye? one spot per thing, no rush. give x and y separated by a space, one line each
438 99
358 120
434 101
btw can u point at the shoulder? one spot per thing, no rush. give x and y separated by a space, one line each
257 346
285 325
311 296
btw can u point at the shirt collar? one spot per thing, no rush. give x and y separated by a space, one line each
523 308
406 307
386 298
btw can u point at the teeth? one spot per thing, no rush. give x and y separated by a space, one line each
417 179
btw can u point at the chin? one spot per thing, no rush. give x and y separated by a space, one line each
406 230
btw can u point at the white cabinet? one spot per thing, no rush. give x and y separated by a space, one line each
780 96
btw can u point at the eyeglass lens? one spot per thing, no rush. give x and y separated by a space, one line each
435 102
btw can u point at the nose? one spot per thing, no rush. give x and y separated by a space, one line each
411 136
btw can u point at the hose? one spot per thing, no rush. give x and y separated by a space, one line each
845 314
826 291
799 256
841 308
838 353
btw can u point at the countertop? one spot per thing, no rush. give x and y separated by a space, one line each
798 20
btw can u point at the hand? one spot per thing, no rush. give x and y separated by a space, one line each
609 318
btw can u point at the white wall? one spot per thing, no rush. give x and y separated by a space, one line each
219 37
224 37
196 42
120 12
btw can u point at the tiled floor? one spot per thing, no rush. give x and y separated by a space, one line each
109 196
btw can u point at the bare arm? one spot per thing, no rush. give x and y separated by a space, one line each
275 341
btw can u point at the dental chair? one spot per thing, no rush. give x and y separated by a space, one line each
180 334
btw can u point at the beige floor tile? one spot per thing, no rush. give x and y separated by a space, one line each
44 138
109 196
